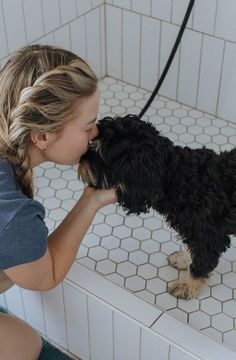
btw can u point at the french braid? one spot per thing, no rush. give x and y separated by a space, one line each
38 87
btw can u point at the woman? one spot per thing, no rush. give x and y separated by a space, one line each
48 107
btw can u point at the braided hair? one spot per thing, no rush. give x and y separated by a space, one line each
38 86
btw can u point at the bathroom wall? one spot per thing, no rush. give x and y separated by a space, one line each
139 36
77 25
141 33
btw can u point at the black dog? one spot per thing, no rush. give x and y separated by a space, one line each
195 189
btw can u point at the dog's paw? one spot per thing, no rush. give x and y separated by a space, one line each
180 260
186 289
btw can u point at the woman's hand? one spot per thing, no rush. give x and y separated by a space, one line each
100 198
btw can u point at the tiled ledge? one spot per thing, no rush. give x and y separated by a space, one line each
176 332
114 295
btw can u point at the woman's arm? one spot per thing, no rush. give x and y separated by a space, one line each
63 243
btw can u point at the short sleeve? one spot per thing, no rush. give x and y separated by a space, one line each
25 237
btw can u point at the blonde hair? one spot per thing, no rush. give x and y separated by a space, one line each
38 86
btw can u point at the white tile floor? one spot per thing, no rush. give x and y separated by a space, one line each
132 250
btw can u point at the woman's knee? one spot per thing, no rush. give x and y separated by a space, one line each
18 339
36 346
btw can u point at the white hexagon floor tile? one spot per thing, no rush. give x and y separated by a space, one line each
132 250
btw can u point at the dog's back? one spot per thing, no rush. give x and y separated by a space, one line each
227 166
201 181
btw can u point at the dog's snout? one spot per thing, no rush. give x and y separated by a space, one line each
94 145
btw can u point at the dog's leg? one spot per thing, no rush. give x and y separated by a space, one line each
180 260
187 288
205 253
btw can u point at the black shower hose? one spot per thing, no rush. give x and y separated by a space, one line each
171 57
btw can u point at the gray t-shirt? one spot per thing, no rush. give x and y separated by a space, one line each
23 233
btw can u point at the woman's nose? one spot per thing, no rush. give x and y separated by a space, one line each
94 132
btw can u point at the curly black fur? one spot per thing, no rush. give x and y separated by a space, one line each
195 189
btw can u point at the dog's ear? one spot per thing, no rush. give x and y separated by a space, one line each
136 155
141 179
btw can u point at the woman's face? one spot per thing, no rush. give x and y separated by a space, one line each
72 142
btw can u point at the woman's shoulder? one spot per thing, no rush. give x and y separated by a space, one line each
7 176
23 232
13 202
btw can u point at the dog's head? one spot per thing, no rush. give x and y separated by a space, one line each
126 155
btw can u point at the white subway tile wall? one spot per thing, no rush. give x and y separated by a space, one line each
189 68
196 77
51 15
126 338
14 302
93 40
14 24
53 306
168 36
77 25
76 309
120 41
62 36
33 309
101 330
149 52
227 104
130 47
34 21
114 39
153 346
175 354
78 37
161 9
83 6
103 40
210 73
225 27
126 4
3 301
3 38
142 6
204 16
68 9
178 11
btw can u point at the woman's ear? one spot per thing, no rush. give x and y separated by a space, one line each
39 139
